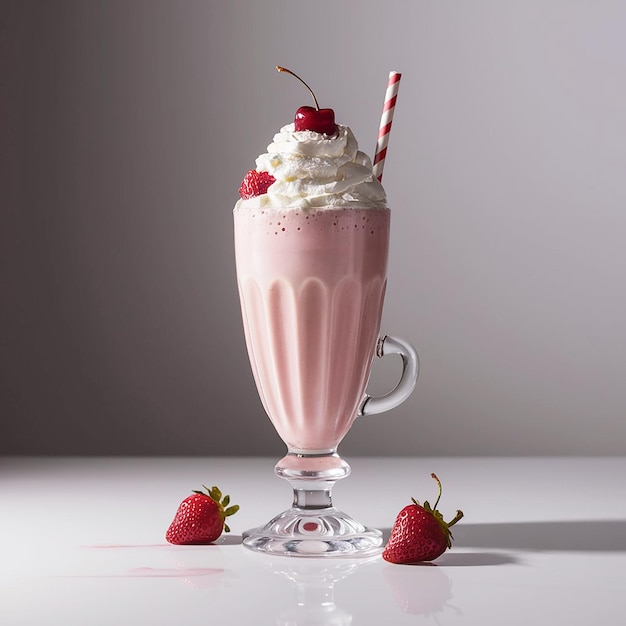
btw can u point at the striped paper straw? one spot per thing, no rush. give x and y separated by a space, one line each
386 119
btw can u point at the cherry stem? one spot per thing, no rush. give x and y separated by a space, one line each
284 69
439 495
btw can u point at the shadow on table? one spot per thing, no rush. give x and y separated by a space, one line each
572 536
575 536
464 558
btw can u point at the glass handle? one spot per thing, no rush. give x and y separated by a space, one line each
410 370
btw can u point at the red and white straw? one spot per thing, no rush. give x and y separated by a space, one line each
385 123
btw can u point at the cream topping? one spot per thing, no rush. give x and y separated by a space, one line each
313 170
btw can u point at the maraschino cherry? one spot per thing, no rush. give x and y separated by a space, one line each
309 118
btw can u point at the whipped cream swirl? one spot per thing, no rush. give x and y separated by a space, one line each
314 170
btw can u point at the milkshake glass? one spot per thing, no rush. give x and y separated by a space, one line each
312 285
311 248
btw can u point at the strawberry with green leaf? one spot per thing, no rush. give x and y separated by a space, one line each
201 518
419 533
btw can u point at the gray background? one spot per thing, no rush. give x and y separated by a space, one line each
127 126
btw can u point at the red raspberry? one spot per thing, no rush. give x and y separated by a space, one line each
255 184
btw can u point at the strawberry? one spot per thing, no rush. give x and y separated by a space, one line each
419 533
255 184
200 518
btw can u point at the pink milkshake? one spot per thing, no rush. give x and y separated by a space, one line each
311 246
311 285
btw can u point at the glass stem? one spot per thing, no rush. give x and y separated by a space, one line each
312 499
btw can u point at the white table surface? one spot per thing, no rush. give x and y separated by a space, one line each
82 542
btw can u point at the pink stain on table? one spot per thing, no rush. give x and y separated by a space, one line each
116 546
154 572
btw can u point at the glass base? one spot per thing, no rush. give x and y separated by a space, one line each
313 526
321 532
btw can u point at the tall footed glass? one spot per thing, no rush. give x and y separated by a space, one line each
312 285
